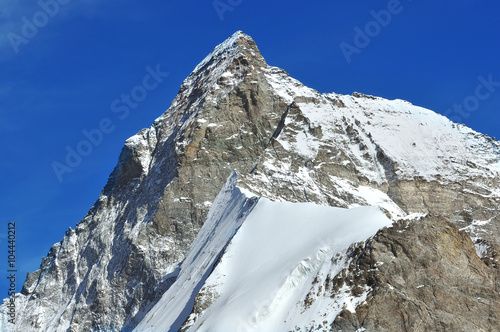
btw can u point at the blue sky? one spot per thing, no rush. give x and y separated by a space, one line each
65 72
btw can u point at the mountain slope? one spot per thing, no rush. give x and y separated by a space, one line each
288 143
273 251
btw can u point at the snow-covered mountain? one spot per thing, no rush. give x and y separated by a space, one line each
269 254
258 204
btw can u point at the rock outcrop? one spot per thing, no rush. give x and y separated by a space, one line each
426 276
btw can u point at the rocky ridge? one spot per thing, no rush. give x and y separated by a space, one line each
439 181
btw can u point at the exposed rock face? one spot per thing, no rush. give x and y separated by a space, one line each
426 276
288 143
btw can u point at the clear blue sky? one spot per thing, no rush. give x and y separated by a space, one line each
65 75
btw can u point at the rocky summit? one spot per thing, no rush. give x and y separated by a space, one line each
255 203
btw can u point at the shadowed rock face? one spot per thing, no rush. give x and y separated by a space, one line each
288 142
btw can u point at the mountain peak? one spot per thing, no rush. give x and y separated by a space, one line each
239 35
238 44
239 49
238 41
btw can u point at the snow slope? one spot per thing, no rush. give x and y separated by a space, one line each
418 141
264 274
226 215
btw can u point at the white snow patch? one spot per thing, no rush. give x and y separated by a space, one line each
279 248
481 248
